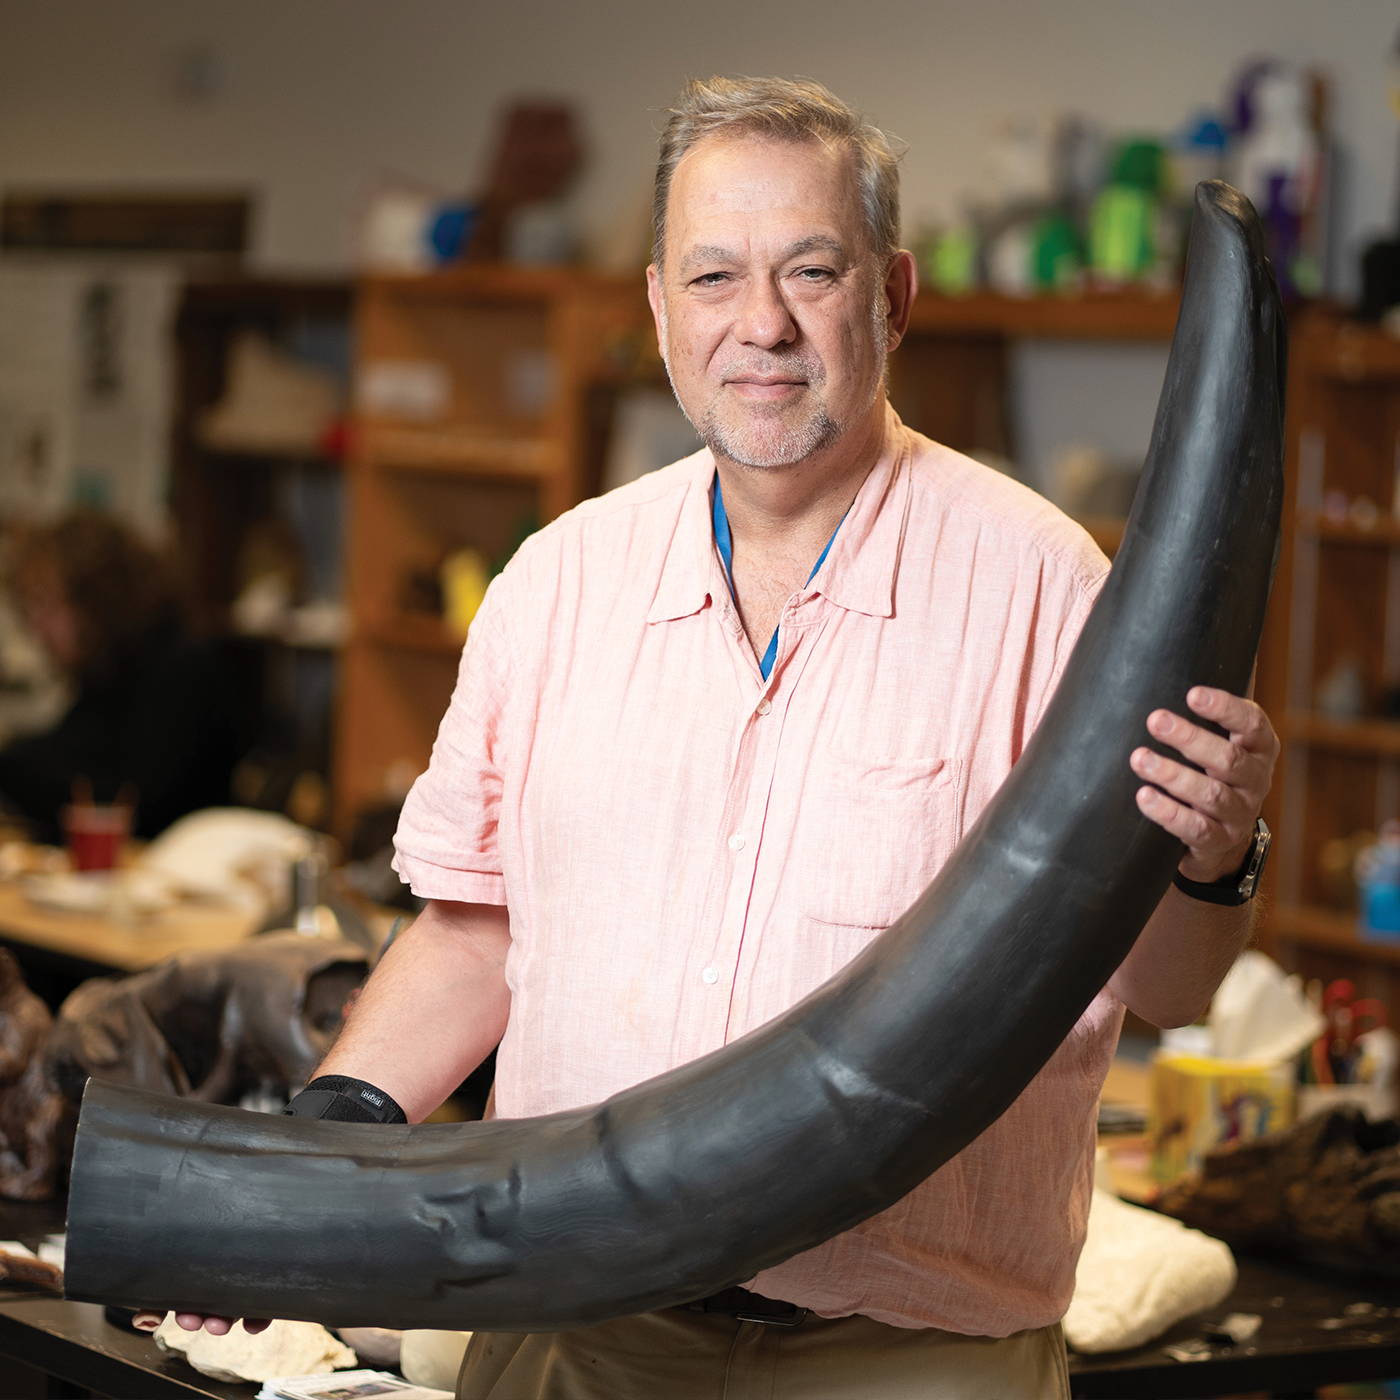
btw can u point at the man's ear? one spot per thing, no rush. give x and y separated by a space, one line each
901 287
655 293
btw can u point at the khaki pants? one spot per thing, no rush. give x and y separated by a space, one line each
678 1355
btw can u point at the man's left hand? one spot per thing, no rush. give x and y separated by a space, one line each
1213 811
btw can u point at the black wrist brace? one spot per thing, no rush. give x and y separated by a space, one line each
341 1099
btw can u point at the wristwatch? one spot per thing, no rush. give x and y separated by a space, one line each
1240 887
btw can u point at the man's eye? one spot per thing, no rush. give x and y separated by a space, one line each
709 279
815 274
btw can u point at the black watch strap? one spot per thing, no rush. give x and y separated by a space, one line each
1240 887
342 1099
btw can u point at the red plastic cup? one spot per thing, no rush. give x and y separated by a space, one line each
96 834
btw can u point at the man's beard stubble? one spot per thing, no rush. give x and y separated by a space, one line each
765 441
791 444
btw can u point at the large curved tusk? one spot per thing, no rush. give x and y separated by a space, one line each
703 1176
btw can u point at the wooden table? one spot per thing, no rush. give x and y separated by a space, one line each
74 1343
57 951
1292 1354
1321 1326
121 945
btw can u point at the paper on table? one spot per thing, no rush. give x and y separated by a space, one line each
53 1250
347 1385
16 1248
112 894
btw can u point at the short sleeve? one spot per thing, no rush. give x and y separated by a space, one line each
447 840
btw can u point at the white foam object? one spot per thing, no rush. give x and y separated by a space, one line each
432 1359
1140 1272
230 854
54 1250
284 1349
377 1345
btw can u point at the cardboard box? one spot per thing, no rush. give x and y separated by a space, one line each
1198 1103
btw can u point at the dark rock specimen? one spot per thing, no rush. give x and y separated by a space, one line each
1331 1181
205 1026
209 1026
29 1107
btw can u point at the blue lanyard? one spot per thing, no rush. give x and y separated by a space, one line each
726 552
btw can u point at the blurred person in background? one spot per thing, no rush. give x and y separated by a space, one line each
152 708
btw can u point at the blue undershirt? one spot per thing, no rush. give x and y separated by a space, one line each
726 552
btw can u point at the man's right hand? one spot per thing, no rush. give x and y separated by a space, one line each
192 1322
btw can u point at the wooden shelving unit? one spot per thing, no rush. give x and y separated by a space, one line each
1378 738
492 457
1337 594
458 450
1384 534
1338 584
1125 315
949 378
221 494
531 361
470 475
1333 935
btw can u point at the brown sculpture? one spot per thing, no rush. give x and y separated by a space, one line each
1333 1181
29 1109
207 1026
210 1026
539 153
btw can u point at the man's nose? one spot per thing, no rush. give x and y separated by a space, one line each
764 319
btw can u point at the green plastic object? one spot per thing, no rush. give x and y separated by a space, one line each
952 262
1141 165
1055 253
1120 233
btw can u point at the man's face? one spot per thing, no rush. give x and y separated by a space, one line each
770 311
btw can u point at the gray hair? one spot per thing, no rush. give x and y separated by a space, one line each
783 109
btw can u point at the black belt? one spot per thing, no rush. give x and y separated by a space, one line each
744 1306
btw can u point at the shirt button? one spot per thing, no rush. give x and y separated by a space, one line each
709 977
764 705
736 842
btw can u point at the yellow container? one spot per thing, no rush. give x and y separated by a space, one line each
1198 1103
464 583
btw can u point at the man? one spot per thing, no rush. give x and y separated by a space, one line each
716 730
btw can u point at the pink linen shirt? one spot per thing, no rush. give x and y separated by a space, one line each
686 850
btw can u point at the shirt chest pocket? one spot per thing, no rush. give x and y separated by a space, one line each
876 830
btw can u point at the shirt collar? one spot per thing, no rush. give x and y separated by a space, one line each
858 573
692 573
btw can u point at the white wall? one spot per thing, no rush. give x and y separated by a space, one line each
323 93
1072 392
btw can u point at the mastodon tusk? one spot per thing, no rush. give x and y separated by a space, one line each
703 1176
